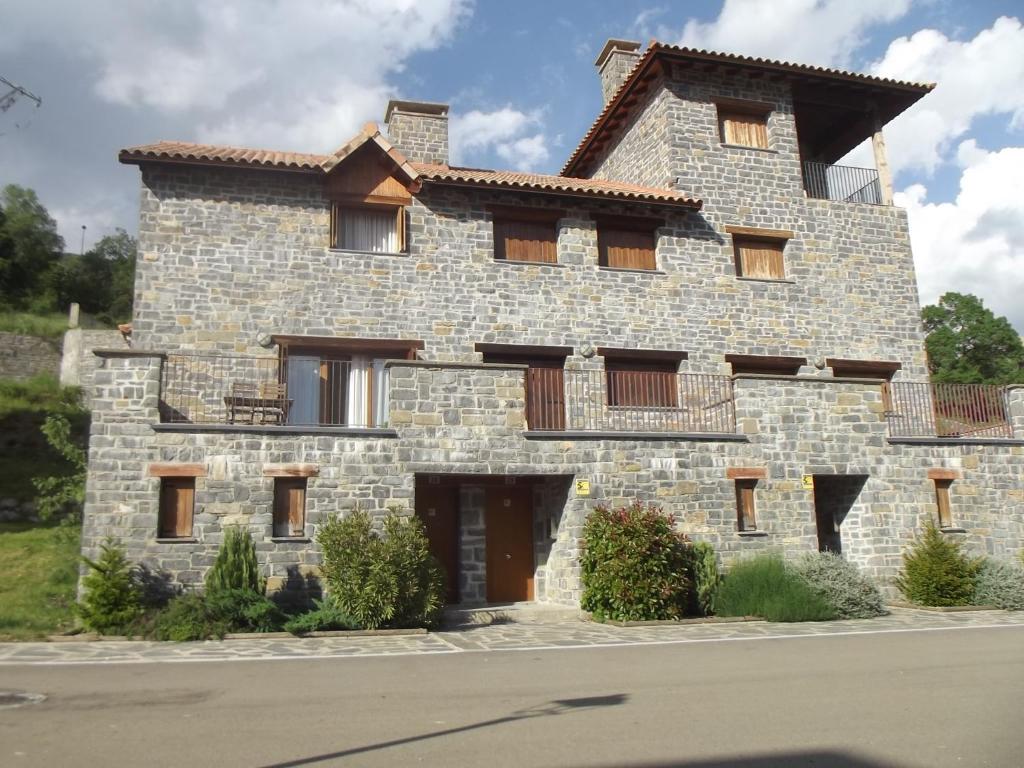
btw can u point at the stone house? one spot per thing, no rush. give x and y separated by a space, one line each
702 310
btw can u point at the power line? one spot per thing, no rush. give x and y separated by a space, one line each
8 99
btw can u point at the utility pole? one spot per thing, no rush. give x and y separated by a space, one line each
81 248
14 91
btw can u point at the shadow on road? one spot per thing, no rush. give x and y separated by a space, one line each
803 759
557 707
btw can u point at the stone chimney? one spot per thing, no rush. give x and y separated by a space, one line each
616 60
419 129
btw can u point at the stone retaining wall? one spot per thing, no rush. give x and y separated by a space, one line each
22 357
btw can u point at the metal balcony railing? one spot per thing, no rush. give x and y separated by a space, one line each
920 409
629 401
842 182
206 388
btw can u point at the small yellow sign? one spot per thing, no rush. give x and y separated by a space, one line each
582 487
808 482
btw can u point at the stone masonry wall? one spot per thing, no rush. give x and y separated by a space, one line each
22 357
78 363
467 421
422 138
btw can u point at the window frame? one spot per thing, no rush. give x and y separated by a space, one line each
942 501
375 205
758 242
286 529
612 227
177 484
746 505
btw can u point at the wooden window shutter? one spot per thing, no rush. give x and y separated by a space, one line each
177 501
759 259
289 506
745 129
942 487
626 248
334 226
516 240
645 384
746 519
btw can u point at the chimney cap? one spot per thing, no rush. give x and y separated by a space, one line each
614 44
416 107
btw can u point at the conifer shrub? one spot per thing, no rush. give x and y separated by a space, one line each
113 598
937 572
236 566
196 616
841 584
765 586
386 578
634 564
1000 584
705 576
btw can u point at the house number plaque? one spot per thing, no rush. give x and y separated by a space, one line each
582 487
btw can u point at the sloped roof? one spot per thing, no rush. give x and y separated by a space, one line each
910 90
207 154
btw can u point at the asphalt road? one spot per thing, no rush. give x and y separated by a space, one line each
909 699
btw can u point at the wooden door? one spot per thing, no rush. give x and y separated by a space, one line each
509 544
438 507
545 395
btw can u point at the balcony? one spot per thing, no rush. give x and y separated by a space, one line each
206 389
560 400
842 183
967 411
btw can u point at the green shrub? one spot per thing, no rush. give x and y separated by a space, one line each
324 618
388 579
937 572
62 496
764 586
194 616
1000 584
633 564
236 566
112 599
705 577
841 585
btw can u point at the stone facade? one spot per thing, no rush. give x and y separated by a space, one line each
78 363
229 257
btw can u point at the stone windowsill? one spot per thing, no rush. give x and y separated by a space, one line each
955 441
367 253
783 281
751 534
749 149
953 529
274 429
177 540
571 434
632 270
290 539
518 263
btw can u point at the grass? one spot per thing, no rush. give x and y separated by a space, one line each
763 586
39 394
38 574
49 326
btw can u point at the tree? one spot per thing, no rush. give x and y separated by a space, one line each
102 280
968 344
29 244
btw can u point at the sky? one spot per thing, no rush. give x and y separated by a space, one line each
305 75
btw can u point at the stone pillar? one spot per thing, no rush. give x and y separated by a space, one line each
614 63
472 545
882 164
1015 395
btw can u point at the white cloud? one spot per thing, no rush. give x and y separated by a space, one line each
974 244
509 132
307 73
823 32
983 76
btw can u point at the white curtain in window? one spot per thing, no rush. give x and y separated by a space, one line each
361 229
380 394
357 407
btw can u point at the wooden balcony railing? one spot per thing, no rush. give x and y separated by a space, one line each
205 388
629 401
842 182
920 409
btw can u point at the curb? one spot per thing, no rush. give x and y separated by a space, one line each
944 608
92 637
682 622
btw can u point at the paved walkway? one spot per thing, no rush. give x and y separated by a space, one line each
496 637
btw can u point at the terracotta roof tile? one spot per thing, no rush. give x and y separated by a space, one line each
655 49
185 152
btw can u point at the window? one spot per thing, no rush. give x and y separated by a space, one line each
767 365
545 380
177 501
942 487
759 258
373 228
744 125
526 234
746 519
626 243
289 507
